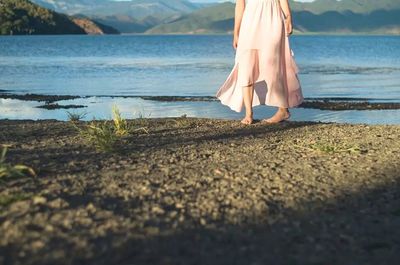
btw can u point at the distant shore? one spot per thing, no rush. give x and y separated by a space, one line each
294 34
185 189
350 34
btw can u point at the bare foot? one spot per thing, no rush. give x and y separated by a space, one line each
247 120
279 116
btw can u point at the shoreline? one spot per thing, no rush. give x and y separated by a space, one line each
194 189
332 103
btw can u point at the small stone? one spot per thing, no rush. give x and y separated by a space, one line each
58 203
36 245
91 208
157 210
179 205
49 228
173 214
217 171
181 218
39 200
66 223
85 221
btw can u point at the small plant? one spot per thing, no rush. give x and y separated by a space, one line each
120 125
182 121
9 171
142 119
334 148
76 116
104 135
100 134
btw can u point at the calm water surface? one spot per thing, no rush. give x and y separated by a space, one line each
330 66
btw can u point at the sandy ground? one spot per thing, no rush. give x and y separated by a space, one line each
202 191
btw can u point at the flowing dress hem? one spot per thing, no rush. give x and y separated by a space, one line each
227 96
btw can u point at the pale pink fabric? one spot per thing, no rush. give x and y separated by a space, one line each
263 58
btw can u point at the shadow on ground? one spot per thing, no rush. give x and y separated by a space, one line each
117 213
357 228
354 228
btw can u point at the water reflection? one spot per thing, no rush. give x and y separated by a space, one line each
100 108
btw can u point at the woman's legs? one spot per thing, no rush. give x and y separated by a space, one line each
248 92
280 115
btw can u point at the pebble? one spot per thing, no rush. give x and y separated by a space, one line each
39 200
90 207
36 245
58 203
203 221
157 210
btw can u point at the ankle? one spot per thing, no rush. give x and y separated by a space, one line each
249 114
284 110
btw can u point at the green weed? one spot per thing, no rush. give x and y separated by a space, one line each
121 127
76 116
104 135
101 134
13 171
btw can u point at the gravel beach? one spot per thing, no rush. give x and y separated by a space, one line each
203 191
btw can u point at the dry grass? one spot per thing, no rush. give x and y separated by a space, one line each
121 127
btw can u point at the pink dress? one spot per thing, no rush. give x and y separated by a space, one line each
263 58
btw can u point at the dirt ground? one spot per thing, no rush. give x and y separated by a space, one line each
203 191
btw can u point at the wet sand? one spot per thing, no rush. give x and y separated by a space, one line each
203 191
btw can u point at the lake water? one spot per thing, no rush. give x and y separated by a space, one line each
185 65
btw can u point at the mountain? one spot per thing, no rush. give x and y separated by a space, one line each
219 18
128 24
183 16
23 17
355 6
137 9
93 27
379 21
135 16
213 19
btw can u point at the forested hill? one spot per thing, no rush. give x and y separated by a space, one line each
354 6
18 17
